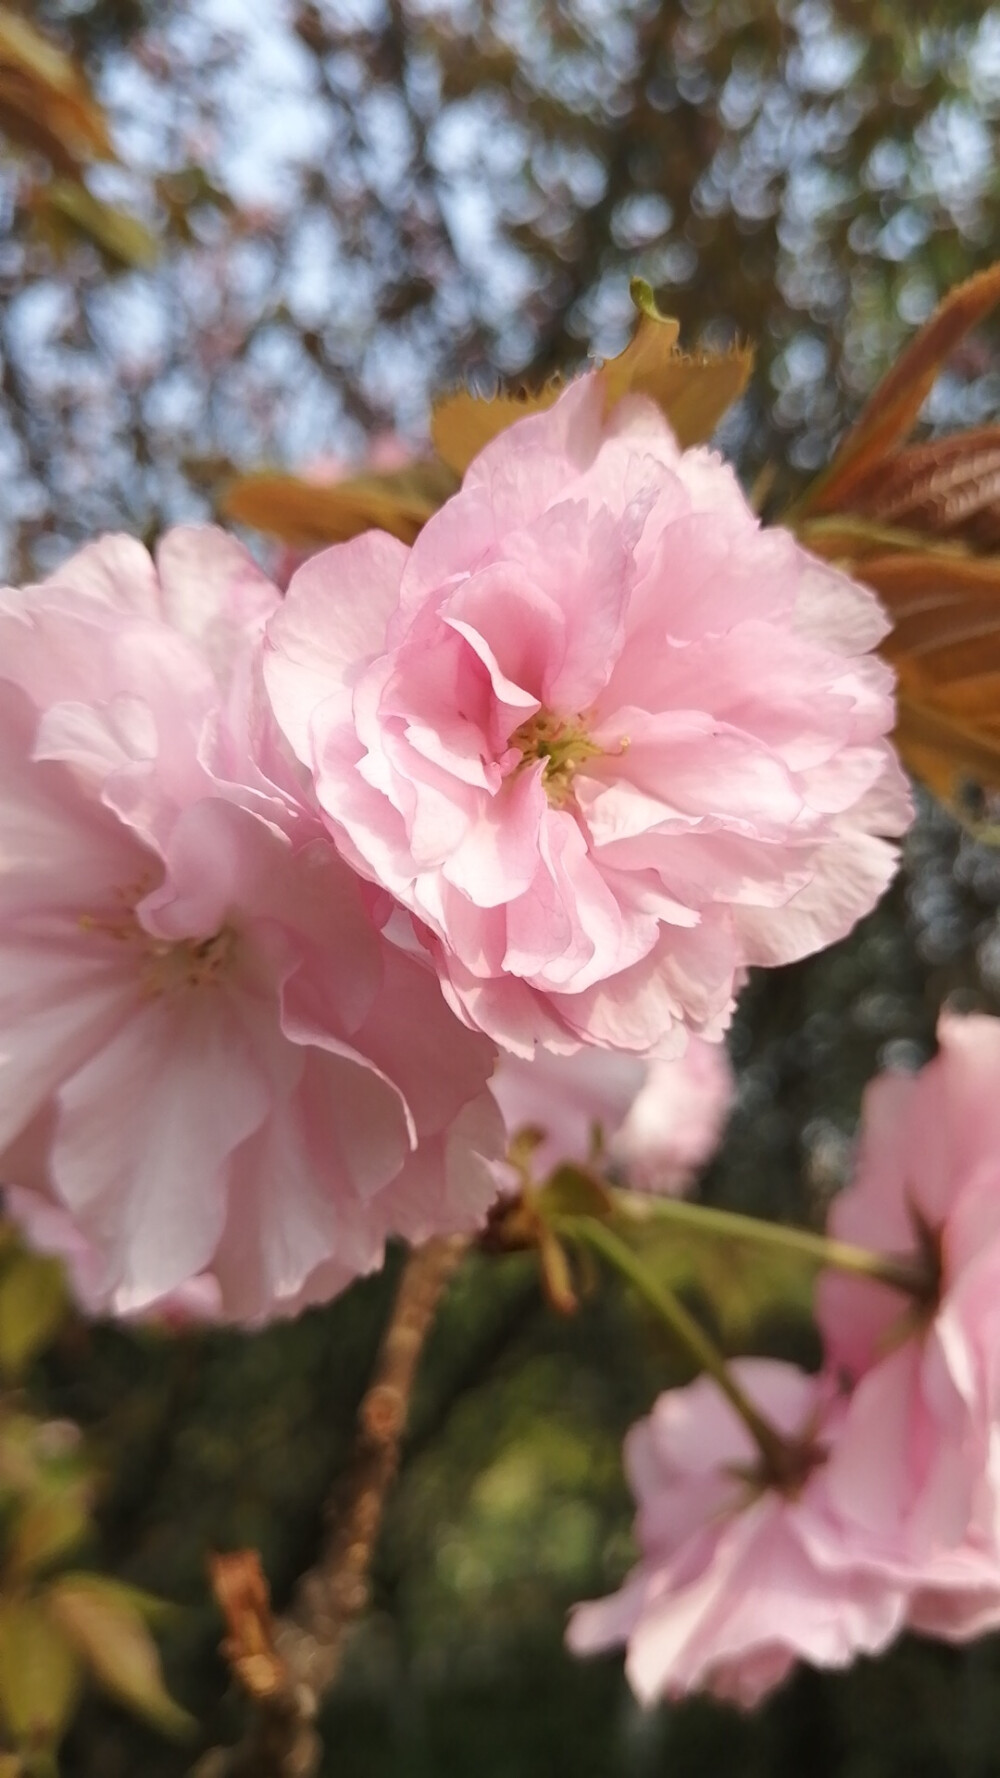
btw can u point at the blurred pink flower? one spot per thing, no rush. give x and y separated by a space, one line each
607 738
737 1580
210 1058
917 1465
658 1122
675 1123
575 1103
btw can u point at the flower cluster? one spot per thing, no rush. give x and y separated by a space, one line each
278 875
882 1511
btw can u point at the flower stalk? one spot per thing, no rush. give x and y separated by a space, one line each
908 1273
689 1334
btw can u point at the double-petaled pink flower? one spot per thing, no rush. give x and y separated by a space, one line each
738 1579
211 1061
608 739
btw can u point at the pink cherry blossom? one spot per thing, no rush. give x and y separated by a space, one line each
737 1580
655 1122
675 1122
608 739
211 1059
48 1227
917 1464
574 1104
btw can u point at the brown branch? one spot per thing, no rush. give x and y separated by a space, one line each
287 1665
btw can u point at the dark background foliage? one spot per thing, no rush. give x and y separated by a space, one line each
359 202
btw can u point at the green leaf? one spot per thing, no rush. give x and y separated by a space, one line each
32 1307
101 1619
571 1192
20 1466
54 1522
121 236
39 1672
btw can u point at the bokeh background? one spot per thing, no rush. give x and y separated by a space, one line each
319 215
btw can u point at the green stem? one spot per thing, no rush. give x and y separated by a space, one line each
898 1270
686 1330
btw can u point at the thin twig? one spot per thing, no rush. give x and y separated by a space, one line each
296 1657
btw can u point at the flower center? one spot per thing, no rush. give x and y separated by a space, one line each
186 962
562 744
165 964
788 1468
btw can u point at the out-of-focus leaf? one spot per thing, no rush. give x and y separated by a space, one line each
848 538
571 1192
311 514
53 1522
39 1672
947 488
32 1305
121 236
20 1466
37 1453
943 751
102 1622
22 47
693 391
887 419
944 646
921 525
45 101
936 599
157 1613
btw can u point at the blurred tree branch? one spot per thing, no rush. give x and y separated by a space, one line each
287 1667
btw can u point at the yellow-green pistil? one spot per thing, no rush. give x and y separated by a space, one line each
562 743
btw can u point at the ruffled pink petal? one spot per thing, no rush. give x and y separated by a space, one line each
116 572
848 879
333 617
146 1129
213 593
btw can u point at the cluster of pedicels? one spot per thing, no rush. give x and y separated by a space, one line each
308 900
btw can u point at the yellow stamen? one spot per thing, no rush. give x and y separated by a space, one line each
562 744
166 964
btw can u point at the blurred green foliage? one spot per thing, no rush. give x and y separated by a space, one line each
356 203
60 1626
